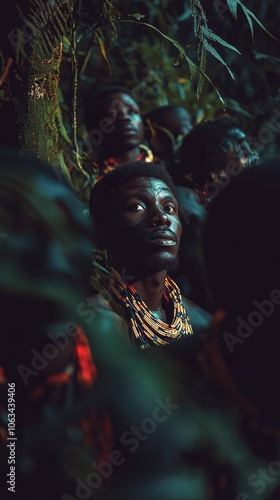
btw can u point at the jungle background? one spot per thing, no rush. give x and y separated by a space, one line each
213 57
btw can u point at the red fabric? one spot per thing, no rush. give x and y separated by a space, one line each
96 424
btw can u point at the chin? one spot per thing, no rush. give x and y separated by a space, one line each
156 263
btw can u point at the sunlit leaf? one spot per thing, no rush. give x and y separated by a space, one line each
100 39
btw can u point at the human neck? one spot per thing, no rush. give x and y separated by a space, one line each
130 155
150 288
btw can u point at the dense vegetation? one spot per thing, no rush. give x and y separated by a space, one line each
210 56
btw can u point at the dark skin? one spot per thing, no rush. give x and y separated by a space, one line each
143 240
236 151
126 130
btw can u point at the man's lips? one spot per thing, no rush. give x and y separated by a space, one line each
127 130
162 238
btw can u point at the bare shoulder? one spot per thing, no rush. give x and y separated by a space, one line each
199 318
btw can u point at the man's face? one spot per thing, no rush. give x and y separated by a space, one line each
178 121
237 147
144 232
126 127
236 153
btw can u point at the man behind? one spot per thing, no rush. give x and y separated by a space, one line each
138 230
115 127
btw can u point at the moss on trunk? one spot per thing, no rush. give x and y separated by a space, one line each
38 133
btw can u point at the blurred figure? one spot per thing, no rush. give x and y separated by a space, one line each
115 128
242 257
211 153
45 360
165 128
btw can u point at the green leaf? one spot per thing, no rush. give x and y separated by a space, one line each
236 107
86 59
100 39
232 5
192 67
202 67
209 34
171 40
62 167
272 59
248 13
61 127
179 58
217 56
165 45
250 22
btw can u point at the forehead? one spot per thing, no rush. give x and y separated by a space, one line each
148 185
175 120
119 99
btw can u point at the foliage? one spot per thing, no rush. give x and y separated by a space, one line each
158 49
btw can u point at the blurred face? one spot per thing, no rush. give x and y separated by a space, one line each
237 147
127 130
144 232
178 121
237 153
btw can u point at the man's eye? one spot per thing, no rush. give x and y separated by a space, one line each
133 111
111 113
136 207
170 208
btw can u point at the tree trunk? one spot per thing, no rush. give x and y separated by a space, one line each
38 133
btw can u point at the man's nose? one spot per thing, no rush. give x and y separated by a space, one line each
160 218
123 114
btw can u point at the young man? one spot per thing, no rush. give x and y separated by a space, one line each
115 128
138 231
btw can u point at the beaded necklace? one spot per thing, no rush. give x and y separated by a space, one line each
111 163
145 328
